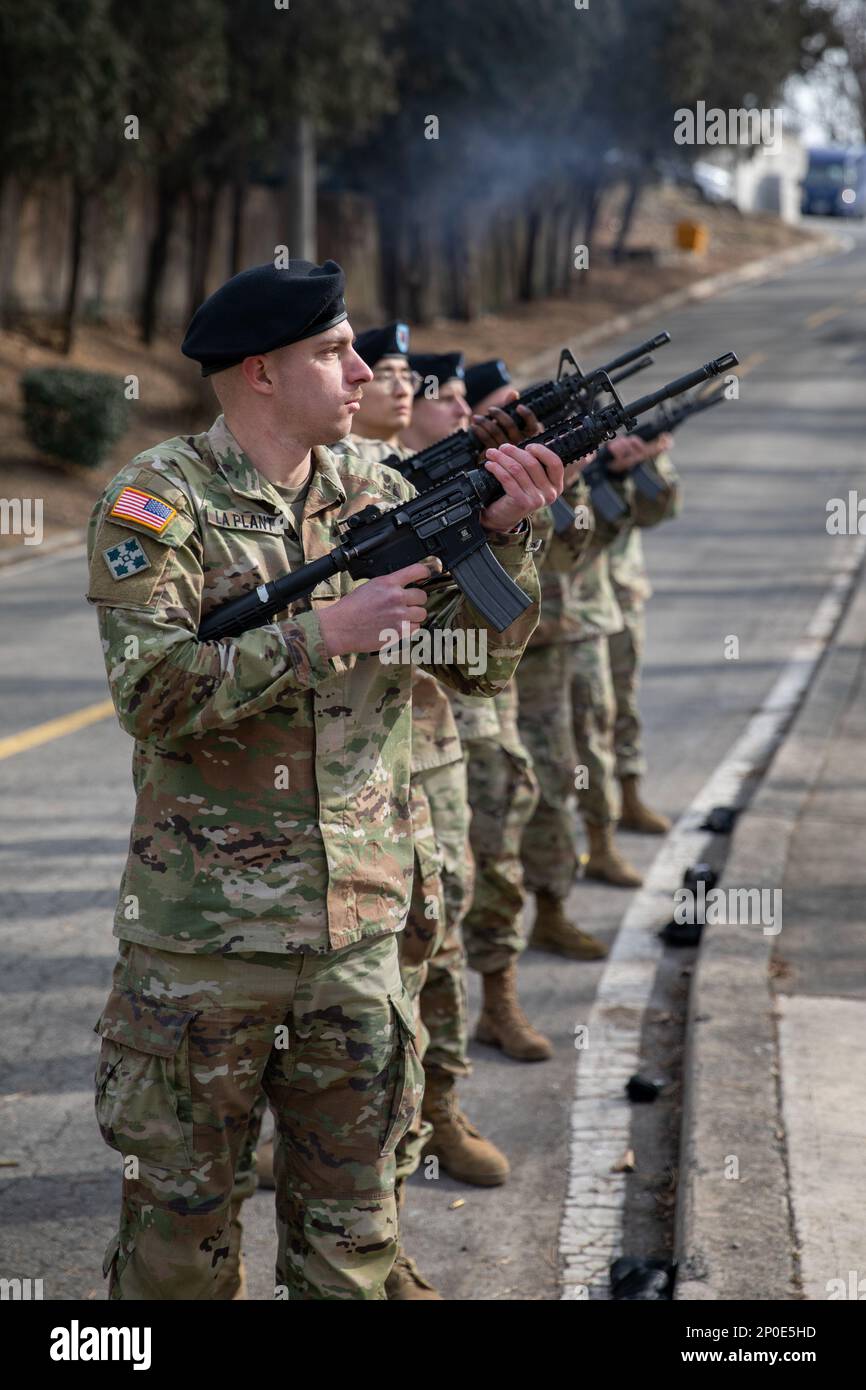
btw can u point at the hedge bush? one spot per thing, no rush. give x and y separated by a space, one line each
73 414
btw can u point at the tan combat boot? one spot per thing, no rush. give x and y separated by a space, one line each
637 816
231 1283
606 862
457 1144
553 932
405 1283
503 1022
265 1163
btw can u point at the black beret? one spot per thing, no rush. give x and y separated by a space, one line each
262 309
442 366
484 378
376 343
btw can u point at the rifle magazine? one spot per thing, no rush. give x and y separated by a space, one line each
490 588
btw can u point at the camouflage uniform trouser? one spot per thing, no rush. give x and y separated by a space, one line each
626 654
443 996
422 936
503 793
189 1043
566 721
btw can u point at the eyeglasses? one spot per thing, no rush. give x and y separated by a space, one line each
392 380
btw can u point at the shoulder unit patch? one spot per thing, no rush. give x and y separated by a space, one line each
133 504
126 558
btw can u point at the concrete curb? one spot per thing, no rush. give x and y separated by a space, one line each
539 366
735 1238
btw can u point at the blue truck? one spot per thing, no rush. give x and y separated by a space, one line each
835 183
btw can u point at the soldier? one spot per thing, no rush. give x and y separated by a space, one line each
442 882
437 791
503 794
566 720
270 860
439 407
632 588
594 698
488 384
593 715
439 795
385 409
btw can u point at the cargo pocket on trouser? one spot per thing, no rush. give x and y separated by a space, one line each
425 924
143 1092
405 1088
422 934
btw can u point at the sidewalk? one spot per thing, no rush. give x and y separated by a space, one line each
774 1126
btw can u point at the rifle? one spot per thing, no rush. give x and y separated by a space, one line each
576 390
605 499
443 521
573 391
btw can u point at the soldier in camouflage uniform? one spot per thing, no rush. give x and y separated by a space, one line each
270 859
593 712
432 960
503 793
501 797
594 690
632 588
565 691
438 777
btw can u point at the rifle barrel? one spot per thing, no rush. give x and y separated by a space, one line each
639 366
682 383
649 346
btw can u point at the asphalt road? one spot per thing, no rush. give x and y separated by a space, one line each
750 557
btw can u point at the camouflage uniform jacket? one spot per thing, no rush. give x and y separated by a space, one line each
628 570
272 781
577 599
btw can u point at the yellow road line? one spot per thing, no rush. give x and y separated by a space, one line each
823 315
55 728
748 363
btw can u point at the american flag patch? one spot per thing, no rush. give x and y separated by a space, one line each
135 505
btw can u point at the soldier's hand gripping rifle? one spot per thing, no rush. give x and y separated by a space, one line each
443 521
667 418
572 392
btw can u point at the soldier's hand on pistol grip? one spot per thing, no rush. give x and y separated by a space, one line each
360 621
